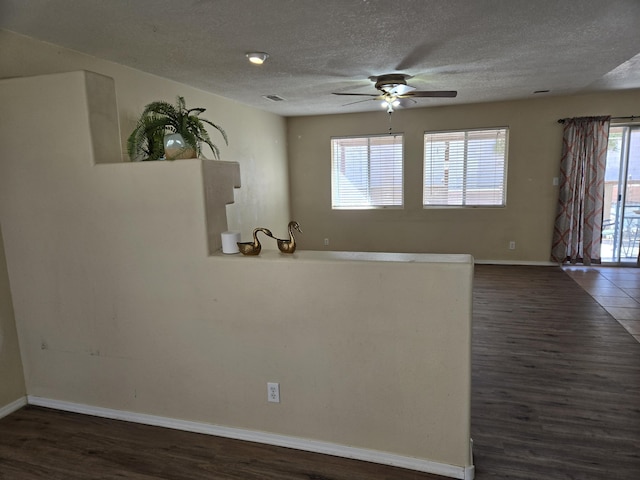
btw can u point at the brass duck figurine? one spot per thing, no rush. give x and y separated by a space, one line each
289 246
254 248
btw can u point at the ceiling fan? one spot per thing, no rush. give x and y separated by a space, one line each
393 89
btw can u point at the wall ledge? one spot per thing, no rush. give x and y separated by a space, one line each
220 179
326 448
335 256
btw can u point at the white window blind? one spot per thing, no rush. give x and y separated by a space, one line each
366 172
465 168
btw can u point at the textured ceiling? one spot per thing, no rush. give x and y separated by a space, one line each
486 49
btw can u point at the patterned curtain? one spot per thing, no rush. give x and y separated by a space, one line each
578 228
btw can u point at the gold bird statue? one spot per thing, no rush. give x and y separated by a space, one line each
289 246
254 248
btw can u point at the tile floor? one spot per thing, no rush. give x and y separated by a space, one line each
616 289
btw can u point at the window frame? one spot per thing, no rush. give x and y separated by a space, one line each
368 137
465 186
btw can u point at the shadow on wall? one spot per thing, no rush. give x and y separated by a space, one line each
12 386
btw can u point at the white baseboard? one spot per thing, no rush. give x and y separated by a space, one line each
516 262
13 406
374 456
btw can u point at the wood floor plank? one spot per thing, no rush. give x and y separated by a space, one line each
555 396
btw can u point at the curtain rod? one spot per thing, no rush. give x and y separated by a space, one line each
632 118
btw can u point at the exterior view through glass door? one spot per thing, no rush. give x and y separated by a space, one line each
621 212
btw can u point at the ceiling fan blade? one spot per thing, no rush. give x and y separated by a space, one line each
435 93
357 94
401 90
360 101
406 102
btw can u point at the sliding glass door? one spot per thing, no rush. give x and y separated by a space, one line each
621 218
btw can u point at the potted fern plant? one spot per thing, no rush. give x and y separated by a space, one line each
172 132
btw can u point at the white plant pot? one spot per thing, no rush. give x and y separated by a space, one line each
175 148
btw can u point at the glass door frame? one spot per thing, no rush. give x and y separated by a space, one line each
620 214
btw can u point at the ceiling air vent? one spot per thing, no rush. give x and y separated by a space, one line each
274 98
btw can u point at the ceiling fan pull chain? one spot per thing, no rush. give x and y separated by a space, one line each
390 112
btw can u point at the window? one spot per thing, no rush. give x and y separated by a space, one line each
465 168
366 172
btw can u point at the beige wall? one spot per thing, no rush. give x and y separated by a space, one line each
118 304
12 380
257 140
535 140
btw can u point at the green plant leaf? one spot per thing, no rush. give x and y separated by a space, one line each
160 118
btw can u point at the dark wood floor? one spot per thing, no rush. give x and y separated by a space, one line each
38 444
556 380
556 395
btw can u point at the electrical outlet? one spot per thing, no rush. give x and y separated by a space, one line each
326 242
512 245
273 392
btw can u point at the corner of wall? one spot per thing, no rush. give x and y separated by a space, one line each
12 386
103 118
220 178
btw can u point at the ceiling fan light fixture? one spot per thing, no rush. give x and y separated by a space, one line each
391 101
257 58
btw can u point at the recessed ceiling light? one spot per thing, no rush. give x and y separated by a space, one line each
257 57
